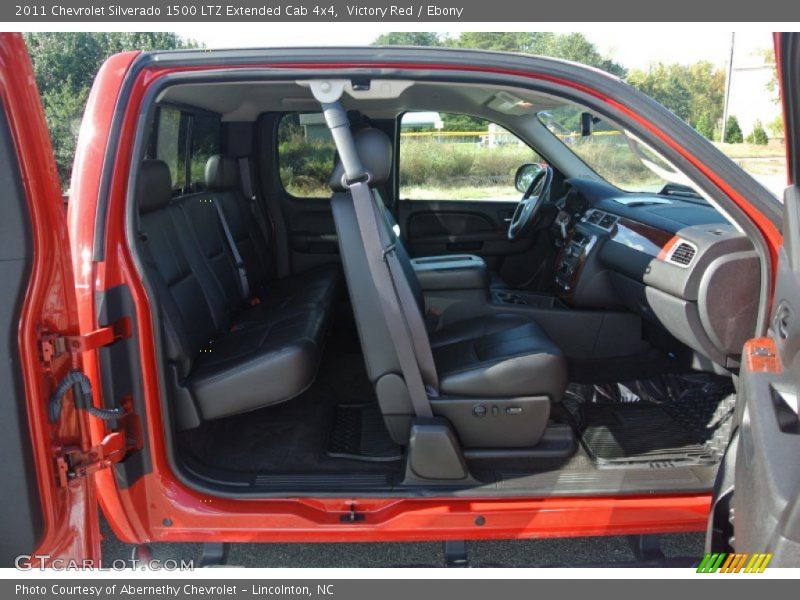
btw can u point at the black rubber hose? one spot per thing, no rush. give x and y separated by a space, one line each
83 401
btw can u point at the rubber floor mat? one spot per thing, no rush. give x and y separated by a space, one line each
625 434
359 433
668 421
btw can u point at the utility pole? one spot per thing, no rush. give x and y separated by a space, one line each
728 89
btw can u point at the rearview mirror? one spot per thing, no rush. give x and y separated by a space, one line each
587 124
525 175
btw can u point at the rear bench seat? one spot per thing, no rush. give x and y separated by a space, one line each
232 353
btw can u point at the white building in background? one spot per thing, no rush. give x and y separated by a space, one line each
751 98
423 119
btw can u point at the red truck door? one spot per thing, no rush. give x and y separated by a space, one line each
756 510
48 492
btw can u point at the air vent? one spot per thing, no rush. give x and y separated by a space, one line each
607 222
601 219
682 254
594 217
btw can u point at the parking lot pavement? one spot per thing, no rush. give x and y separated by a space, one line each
516 553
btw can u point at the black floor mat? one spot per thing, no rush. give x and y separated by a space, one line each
668 421
291 437
633 433
359 433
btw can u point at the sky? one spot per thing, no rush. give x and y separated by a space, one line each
634 45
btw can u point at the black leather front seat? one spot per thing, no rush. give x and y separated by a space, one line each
497 373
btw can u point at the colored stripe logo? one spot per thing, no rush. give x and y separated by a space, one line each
721 562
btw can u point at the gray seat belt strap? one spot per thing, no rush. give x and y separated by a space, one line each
244 285
387 294
408 304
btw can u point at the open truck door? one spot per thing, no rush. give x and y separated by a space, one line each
48 491
756 509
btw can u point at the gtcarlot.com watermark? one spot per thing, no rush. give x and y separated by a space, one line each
41 562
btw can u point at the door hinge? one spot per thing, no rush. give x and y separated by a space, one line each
73 463
53 345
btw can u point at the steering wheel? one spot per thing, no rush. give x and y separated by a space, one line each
537 194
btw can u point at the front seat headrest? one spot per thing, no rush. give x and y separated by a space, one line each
154 188
375 150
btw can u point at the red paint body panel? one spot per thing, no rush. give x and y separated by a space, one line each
140 513
71 529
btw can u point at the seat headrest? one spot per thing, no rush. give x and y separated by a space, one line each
154 187
222 172
375 150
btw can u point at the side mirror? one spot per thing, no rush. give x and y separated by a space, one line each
525 175
587 124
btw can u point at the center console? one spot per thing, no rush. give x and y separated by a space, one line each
451 272
571 260
457 287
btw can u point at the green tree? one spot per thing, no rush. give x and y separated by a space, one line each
733 133
571 46
65 65
775 127
706 126
693 92
758 135
408 38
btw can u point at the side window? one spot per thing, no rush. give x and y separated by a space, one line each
170 143
205 143
305 155
446 156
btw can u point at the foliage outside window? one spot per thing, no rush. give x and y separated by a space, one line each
173 128
609 152
305 155
205 143
171 144
459 157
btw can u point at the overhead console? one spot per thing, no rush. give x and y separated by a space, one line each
700 282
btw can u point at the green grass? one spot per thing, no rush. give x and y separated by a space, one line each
432 169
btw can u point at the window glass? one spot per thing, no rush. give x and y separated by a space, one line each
305 155
205 143
609 151
171 144
457 157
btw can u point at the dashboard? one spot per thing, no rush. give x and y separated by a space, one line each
673 259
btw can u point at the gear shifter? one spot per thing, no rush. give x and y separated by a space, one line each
562 220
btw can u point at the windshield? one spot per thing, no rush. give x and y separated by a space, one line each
612 153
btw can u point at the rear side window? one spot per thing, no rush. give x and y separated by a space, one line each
205 143
170 143
185 141
305 155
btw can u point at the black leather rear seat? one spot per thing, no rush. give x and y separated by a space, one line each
232 353
315 285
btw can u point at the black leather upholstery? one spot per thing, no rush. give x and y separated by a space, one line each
222 173
498 356
155 186
233 354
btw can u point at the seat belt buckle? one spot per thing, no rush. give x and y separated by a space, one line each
254 301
